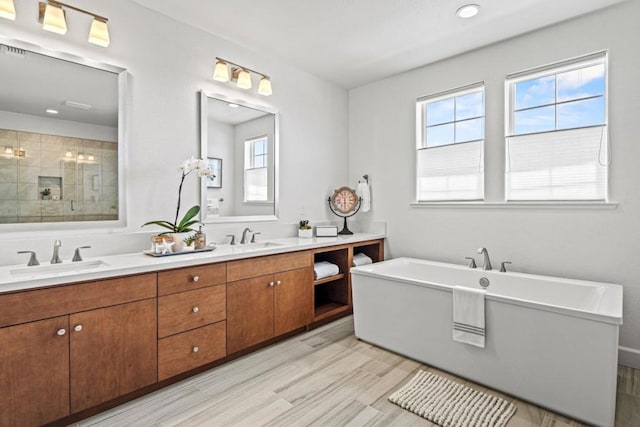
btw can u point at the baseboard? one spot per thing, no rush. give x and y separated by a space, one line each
629 357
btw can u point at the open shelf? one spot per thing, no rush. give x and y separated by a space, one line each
328 279
329 309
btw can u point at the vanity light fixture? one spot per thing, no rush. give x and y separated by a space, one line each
91 157
7 10
241 76
68 154
80 156
8 150
53 18
468 11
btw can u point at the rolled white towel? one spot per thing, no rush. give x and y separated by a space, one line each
322 269
361 259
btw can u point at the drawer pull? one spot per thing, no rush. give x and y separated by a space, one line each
271 284
278 282
195 349
195 278
195 309
77 328
61 332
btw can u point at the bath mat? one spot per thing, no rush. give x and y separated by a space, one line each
450 404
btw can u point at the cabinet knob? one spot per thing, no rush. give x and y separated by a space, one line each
195 309
61 332
278 282
77 328
195 349
271 284
195 278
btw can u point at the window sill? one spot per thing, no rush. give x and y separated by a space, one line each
578 205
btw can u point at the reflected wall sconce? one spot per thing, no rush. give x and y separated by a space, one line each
7 10
52 15
241 76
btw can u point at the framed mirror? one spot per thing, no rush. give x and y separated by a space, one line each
61 140
240 141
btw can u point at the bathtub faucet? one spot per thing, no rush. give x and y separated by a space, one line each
487 261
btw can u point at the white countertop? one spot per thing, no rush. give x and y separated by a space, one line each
136 263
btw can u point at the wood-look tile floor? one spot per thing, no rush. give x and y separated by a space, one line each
325 377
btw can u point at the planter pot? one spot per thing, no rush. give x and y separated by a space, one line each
178 241
305 233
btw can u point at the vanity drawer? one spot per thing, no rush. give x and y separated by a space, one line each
254 267
21 307
183 352
186 279
189 310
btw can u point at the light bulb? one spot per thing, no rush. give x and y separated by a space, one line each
99 33
264 87
244 80
221 71
7 9
54 19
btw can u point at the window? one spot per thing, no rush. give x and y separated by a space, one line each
450 145
556 145
256 165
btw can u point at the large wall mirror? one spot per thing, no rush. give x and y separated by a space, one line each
240 142
60 137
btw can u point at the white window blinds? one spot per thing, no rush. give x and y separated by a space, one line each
451 172
256 185
561 165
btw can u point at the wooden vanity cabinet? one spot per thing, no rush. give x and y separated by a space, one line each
34 372
192 312
276 300
101 344
113 352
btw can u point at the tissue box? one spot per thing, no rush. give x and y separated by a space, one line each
326 231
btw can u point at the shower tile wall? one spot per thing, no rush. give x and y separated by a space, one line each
79 189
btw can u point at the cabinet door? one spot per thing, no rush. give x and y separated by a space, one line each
34 372
113 352
293 300
249 312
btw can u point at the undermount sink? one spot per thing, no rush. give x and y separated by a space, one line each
64 267
247 247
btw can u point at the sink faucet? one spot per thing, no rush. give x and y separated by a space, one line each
55 259
487 262
244 236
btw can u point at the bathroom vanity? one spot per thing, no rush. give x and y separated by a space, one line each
74 345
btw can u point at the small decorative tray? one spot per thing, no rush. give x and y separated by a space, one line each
195 251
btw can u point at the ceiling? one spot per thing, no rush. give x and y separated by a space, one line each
33 83
354 42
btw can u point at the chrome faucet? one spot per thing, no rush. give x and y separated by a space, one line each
55 259
244 236
487 262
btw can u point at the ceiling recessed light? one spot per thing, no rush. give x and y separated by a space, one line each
468 11
232 105
51 111
78 105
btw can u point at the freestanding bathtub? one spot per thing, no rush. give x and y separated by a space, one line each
550 341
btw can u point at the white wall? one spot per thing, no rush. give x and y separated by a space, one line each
593 244
169 63
220 145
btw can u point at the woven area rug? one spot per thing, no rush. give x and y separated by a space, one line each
449 404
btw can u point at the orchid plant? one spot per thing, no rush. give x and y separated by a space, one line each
200 167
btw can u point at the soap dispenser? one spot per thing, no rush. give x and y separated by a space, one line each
201 239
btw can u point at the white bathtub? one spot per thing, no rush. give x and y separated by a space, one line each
550 341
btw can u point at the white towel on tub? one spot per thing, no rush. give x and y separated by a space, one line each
468 315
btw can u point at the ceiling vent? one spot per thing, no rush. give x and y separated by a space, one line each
13 51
